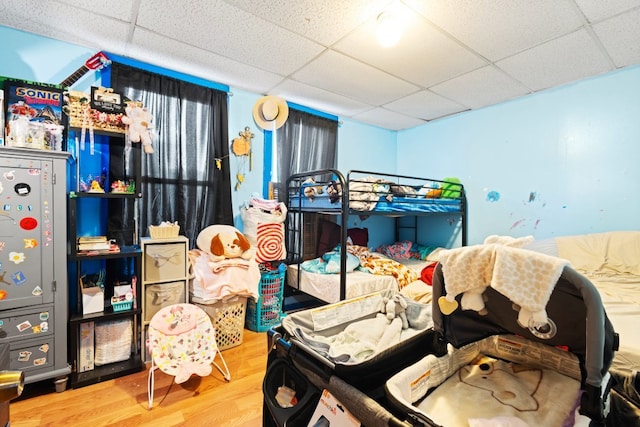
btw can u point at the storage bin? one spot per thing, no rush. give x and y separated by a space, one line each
164 261
228 319
267 310
113 341
161 295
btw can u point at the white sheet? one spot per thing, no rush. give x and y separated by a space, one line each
326 287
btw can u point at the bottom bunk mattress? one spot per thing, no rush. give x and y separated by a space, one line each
326 287
477 385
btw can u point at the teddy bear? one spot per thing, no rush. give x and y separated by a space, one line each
395 306
139 119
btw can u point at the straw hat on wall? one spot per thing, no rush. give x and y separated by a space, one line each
270 112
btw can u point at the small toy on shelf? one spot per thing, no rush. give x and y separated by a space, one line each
120 186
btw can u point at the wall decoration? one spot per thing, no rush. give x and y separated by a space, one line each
241 147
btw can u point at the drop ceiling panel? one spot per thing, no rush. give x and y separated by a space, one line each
388 119
597 10
500 28
480 88
565 59
322 21
51 19
158 50
621 37
236 34
319 99
345 76
424 56
119 9
425 105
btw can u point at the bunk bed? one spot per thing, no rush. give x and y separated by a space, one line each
330 193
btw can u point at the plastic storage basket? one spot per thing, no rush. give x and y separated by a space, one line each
267 311
228 319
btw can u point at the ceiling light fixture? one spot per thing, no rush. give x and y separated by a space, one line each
389 30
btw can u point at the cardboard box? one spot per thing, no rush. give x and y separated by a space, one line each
330 412
92 299
85 359
33 115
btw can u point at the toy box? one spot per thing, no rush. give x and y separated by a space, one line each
33 115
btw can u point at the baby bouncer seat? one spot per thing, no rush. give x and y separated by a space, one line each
182 343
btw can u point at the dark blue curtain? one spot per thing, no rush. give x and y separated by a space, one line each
180 180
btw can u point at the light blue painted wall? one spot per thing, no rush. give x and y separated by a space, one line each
564 161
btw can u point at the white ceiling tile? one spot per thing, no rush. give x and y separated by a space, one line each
323 21
621 37
388 119
119 9
318 99
228 31
158 50
480 88
565 59
51 19
424 55
500 28
425 105
597 10
345 76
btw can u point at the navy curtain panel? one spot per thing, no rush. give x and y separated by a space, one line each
180 180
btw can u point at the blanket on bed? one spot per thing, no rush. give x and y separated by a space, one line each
376 263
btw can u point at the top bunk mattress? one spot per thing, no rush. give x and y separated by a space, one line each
382 204
371 192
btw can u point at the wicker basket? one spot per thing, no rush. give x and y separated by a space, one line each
228 319
164 231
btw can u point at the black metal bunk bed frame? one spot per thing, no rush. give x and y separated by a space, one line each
294 222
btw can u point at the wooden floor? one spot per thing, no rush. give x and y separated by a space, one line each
122 402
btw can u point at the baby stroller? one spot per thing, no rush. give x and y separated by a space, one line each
471 345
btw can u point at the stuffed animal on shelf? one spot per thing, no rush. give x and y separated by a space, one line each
395 306
139 124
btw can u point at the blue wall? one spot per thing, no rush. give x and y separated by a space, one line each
559 162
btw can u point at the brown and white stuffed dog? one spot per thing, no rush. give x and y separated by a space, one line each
224 242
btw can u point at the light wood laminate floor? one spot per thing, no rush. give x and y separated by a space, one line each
209 401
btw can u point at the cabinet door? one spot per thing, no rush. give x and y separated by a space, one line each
26 232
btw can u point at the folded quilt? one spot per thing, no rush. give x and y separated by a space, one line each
218 280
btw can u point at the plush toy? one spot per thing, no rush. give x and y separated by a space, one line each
310 189
230 245
139 119
334 190
395 306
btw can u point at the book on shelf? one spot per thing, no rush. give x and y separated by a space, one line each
92 239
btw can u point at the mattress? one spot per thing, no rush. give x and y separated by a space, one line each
397 204
326 287
621 299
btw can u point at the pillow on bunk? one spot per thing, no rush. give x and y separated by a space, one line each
397 250
333 262
419 251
